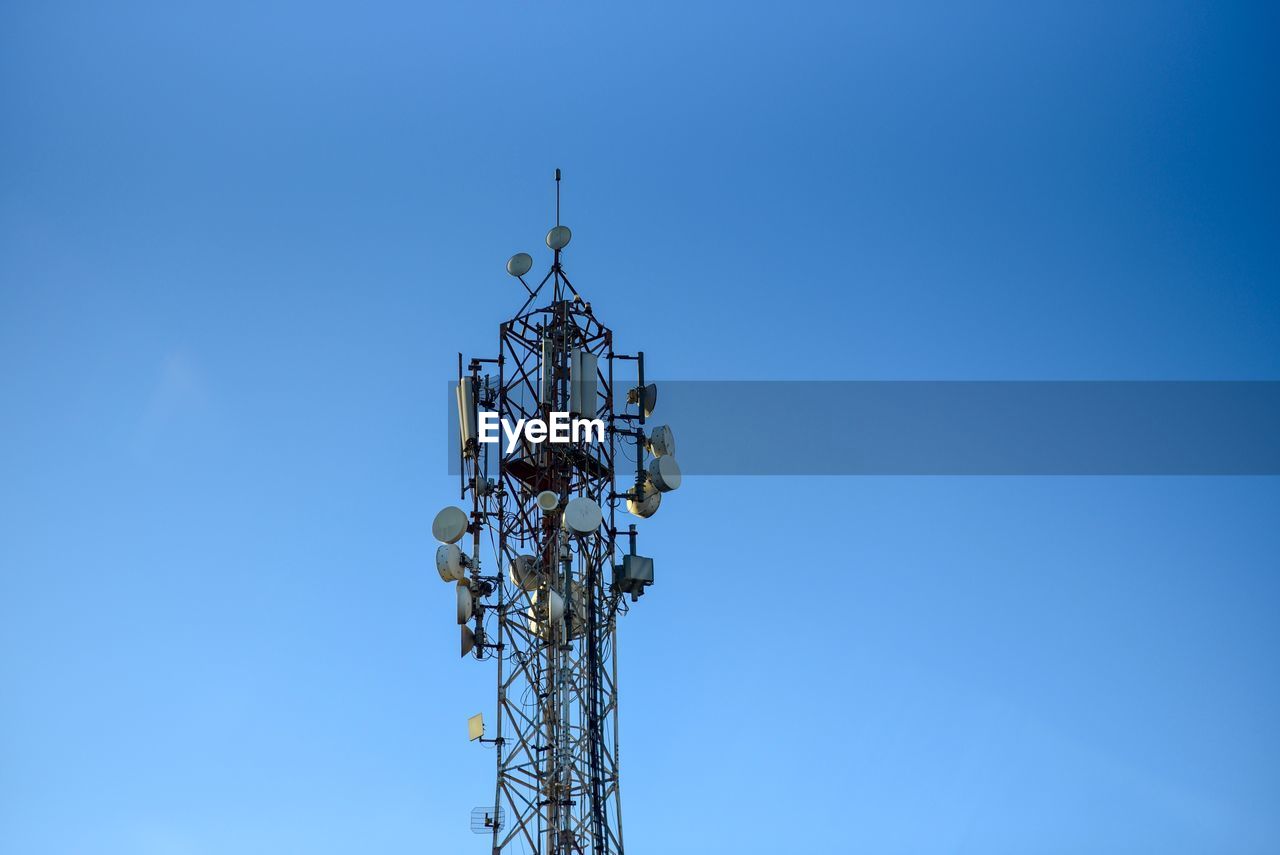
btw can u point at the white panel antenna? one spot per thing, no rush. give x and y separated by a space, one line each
466 412
547 391
583 366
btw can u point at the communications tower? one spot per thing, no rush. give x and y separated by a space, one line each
561 568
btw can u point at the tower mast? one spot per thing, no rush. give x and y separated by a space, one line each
548 610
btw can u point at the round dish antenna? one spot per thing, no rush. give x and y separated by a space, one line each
548 501
464 603
468 640
546 612
544 601
582 515
450 563
534 625
519 264
664 472
662 441
449 525
524 573
646 396
558 238
646 504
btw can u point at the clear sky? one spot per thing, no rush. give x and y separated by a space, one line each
241 243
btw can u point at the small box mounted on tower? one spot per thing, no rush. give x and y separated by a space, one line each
633 575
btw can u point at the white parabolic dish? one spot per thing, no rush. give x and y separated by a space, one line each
548 501
582 515
662 441
647 505
523 572
464 603
664 472
519 264
538 615
542 600
646 397
468 640
449 563
449 525
559 237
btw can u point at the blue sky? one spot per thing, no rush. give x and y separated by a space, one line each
240 246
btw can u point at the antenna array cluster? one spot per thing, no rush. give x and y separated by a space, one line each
563 572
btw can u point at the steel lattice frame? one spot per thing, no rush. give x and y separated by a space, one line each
557 788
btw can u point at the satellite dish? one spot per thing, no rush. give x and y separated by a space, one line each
449 525
559 237
662 441
646 505
523 572
464 603
468 640
646 396
542 600
664 472
450 563
537 614
548 501
582 515
519 264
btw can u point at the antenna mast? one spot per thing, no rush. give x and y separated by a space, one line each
546 611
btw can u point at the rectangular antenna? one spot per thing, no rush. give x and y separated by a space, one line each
583 366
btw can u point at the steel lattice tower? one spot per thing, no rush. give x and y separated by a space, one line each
548 613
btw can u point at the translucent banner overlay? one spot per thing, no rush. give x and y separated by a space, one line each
843 427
